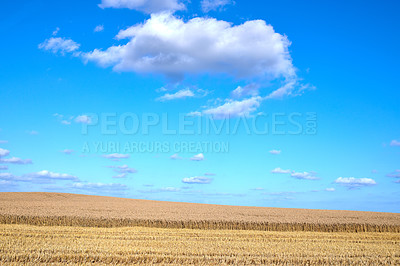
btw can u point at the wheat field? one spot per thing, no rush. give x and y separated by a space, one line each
78 229
83 245
82 210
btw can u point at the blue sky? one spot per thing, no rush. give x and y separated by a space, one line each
321 75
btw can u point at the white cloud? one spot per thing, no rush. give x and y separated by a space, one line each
297 175
3 141
197 180
291 88
98 28
51 176
59 45
355 182
6 176
146 6
15 160
80 119
258 189
194 114
4 183
170 46
170 189
116 156
330 189
275 152
304 175
67 151
124 169
232 109
3 167
56 31
286 89
95 187
209 5
63 120
164 189
248 90
209 174
395 174
185 93
175 157
83 119
198 157
395 143
59 116
120 176
4 152
279 170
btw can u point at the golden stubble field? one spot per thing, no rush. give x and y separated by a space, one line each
60 244
66 228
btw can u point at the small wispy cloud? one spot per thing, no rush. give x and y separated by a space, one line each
67 151
279 170
395 174
15 160
234 108
297 175
175 157
304 175
83 119
55 32
123 169
12 160
120 176
6 176
170 189
146 6
194 114
197 180
3 167
198 157
116 156
395 143
3 141
330 189
4 152
275 152
59 45
281 193
213 5
79 119
98 28
160 190
352 182
248 90
185 93
100 187
290 88
51 175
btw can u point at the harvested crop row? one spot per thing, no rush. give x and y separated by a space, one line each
205 224
84 245
82 210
